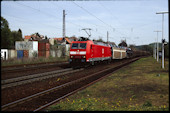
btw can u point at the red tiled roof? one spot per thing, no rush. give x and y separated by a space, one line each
60 39
68 40
27 37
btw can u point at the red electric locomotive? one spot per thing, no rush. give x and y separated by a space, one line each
83 52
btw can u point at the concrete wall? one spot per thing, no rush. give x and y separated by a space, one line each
56 53
26 45
51 41
33 53
12 54
67 49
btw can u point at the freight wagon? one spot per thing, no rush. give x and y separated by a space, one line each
118 52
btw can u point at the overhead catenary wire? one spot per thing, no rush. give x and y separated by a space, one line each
96 17
138 26
90 13
99 2
50 15
37 10
111 15
28 21
80 26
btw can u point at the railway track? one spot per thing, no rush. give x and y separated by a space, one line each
25 65
29 67
14 72
35 77
45 98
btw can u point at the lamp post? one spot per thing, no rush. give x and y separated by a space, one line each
162 37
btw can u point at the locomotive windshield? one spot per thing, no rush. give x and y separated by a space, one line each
74 46
78 46
82 45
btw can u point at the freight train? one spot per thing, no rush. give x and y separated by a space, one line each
89 52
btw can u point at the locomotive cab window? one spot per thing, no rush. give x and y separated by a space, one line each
74 46
82 45
78 46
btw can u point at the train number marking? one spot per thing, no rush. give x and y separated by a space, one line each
102 50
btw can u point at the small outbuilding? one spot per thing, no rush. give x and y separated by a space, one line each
26 49
4 54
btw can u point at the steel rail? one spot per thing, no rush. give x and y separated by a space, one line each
37 94
30 66
31 76
66 95
35 77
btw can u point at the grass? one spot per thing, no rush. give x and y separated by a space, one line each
31 60
136 87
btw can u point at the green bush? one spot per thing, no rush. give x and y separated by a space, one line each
147 104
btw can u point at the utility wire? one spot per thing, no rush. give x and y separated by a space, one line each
37 10
29 21
90 14
112 18
80 26
109 13
95 17
66 21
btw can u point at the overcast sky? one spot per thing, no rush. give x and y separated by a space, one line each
133 20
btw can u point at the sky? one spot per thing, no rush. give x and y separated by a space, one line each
132 20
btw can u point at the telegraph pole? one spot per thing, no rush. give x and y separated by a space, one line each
162 37
155 49
157 46
107 37
64 35
64 24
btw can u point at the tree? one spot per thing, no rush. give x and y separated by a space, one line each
16 36
6 39
167 50
100 39
123 43
132 46
148 48
46 37
20 34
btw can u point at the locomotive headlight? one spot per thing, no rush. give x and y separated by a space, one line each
84 56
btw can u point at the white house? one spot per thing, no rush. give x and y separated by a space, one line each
4 54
